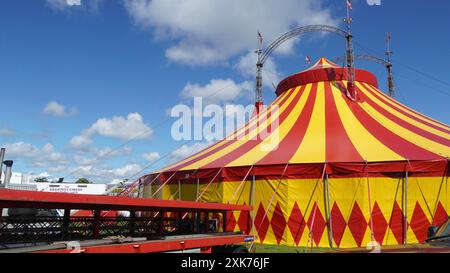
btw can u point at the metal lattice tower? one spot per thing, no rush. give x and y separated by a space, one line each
389 65
350 58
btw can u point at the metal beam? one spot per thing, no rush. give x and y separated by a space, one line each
263 55
50 200
387 64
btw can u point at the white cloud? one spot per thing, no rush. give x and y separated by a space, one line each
21 149
73 2
217 91
125 128
7 132
93 155
106 174
64 5
247 68
204 32
151 157
81 142
56 109
187 150
37 157
83 160
127 170
87 164
109 152
131 127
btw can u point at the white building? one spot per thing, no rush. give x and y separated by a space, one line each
20 181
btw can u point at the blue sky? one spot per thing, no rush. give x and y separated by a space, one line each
92 69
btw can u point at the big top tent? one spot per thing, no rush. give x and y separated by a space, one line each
336 169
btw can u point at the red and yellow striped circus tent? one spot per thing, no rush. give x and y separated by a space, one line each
335 169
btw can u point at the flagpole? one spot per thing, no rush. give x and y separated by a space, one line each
259 66
349 55
348 17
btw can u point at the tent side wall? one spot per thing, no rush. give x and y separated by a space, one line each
299 209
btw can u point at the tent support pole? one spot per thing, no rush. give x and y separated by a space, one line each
405 224
179 189
372 234
252 201
198 188
327 202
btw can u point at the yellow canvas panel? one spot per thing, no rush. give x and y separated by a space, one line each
408 110
344 193
273 140
347 241
265 190
312 148
188 192
212 193
149 190
386 191
170 192
427 192
402 116
446 196
424 190
306 193
241 194
417 139
369 147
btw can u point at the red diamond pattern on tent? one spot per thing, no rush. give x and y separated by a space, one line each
230 221
296 223
338 224
419 223
244 222
357 224
379 224
396 223
440 215
261 222
318 226
278 223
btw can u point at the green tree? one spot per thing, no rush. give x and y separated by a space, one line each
83 181
41 179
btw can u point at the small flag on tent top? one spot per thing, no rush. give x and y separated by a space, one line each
260 38
307 59
349 5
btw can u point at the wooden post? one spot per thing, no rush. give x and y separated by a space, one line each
224 221
96 224
132 223
205 222
66 222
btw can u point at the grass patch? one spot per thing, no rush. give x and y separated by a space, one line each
288 249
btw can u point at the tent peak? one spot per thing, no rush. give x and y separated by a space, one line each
324 70
322 63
